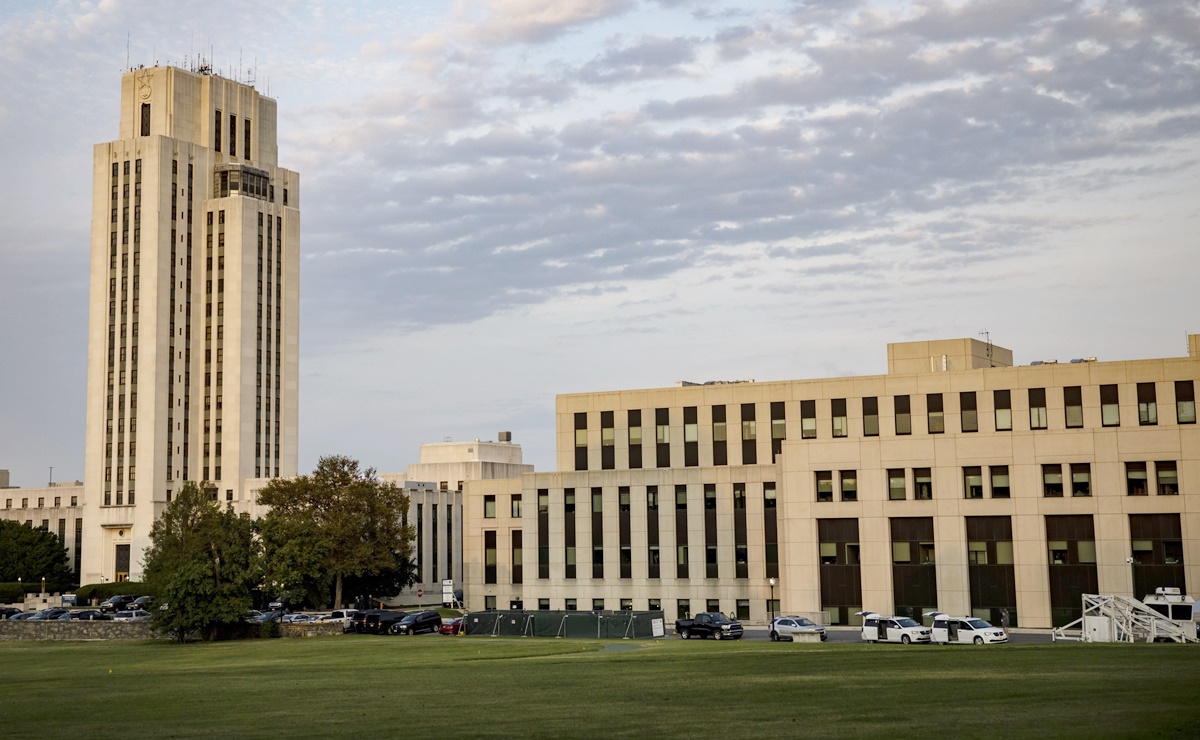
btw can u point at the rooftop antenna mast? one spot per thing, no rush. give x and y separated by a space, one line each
127 50
987 337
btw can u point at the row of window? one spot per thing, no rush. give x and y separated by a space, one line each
997 484
683 607
41 502
839 427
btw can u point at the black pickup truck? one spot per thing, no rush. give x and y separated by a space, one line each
709 624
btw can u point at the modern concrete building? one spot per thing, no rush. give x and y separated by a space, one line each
193 320
434 486
956 481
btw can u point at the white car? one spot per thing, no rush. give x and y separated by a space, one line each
877 628
949 630
135 615
782 628
344 616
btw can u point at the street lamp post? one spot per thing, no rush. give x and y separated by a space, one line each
771 581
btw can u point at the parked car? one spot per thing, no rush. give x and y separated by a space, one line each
53 612
411 624
22 616
117 603
143 602
451 626
90 615
9 611
949 630
877 628
345 616
782 628
358 622
709 624
382 622
131 615
298 618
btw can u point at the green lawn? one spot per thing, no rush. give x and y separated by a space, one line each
382 687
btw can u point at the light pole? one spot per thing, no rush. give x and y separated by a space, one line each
43 585
771 581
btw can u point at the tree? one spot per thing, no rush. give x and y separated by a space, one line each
202 562
31 554
340 522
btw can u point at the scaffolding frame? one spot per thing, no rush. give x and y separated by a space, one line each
1123 619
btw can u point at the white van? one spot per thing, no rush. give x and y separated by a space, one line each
892 629
949 630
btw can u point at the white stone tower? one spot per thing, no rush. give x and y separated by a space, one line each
193 334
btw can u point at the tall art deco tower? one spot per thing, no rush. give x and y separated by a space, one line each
193 334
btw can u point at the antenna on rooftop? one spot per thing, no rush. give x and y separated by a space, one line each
987 337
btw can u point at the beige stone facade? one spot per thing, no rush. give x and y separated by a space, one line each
57 508
193 321
957 481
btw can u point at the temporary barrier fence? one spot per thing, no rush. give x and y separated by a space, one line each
597 624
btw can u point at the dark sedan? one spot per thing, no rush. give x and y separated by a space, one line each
385 622
53 612
89 615
428 621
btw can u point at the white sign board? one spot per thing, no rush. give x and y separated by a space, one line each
447 589
656 628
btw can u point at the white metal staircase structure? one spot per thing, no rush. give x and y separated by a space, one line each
1123 619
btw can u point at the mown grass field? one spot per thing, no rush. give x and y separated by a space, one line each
483 687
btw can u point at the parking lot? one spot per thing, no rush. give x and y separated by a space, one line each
853 634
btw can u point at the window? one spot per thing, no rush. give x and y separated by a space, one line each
808 419
739 496
1037 408
839 417
969 412
1081 479
937 419
489 603
901 552
1168 478
489 507
682 609
1185 402
217 132
749 435
896 491
1147 405
1052 481
597 605
516 505
608 441
977 553
635 439
1003 403
1110 409
712 605
768 495
145 119
581 441
518 557
973 481
623 498
489 557
778 428
720 436
1135 478
662 437
999 474
1073 403
903 415
691 437
923 483
870 416
849 479
824 485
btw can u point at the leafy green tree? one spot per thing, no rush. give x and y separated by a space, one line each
31 554
202 562
340 522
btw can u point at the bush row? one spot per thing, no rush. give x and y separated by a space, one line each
15 591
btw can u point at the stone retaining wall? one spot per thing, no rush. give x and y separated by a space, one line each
75 629
310 629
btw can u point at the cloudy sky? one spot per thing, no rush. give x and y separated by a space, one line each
509 199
